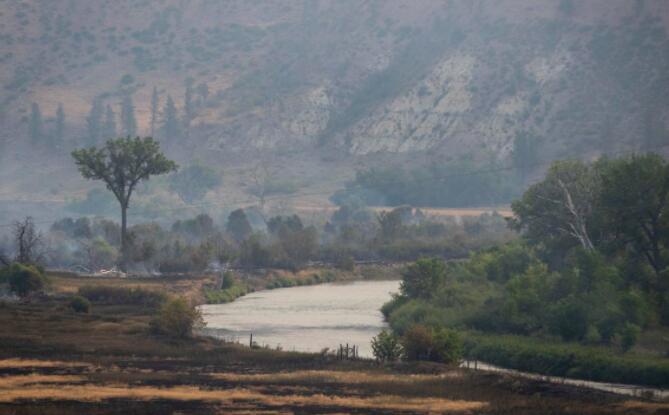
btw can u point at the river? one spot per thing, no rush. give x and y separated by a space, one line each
308 318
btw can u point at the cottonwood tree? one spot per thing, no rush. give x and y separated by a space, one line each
238 225
635 201
121 164
559 210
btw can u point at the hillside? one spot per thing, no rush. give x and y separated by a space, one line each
315 89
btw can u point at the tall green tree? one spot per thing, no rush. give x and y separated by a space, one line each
36 123
170 127
558 211
128 121
94 122
238 225
635 205
421 279
121 164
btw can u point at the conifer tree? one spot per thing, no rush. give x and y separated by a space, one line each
155 102
94 122
189 107
128 122
109 129
59 133
36 127
170 120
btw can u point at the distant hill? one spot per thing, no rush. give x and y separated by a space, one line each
337 82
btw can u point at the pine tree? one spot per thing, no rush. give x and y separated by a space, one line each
36 127
128 122
59 133
109 129
203 91
189 107
155 102
94 122
170 121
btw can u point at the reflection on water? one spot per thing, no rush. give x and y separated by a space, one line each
305 318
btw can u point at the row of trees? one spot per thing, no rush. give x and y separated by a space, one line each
104 121
39 133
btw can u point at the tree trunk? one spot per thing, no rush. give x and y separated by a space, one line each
124 223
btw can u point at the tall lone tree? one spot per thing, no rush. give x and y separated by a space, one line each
121 164
128 121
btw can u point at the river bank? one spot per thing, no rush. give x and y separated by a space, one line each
236 283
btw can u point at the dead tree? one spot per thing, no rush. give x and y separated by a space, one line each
28 242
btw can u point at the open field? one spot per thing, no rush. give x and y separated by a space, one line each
53 361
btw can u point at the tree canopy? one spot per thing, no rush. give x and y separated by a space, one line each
121 164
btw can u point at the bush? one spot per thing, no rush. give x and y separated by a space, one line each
386 347
448 346
418 343
579 362
79 304
228 281
345 263
176 318
225 296
122 295
629 336
24 279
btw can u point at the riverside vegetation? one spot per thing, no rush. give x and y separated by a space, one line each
574 295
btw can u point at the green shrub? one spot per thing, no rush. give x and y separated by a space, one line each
418 343
572 360
629 336
448 346
386 347
122 295
24 279
79 304
176 318
346 263
225 296
228 280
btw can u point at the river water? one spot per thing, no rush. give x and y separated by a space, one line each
308 318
